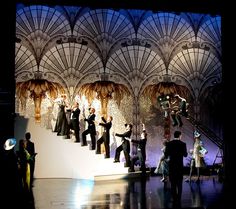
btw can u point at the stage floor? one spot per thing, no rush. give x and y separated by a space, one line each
134 193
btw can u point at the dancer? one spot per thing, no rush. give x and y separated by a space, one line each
180 109
62 126
125 146
141 152
91 129
198 152
163 164
74 120
176 150
105 136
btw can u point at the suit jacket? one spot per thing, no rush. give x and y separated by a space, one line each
124 135
141 145
75 114
91 125
176 150
107 127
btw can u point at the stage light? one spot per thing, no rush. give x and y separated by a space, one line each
9 143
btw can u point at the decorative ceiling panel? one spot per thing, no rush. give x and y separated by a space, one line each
70 61
134 61
105 27
210 31
198 67
165 28
41 18
25 63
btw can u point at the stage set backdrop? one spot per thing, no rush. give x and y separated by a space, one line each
119 62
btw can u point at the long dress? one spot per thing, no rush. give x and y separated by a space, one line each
24 159
62 126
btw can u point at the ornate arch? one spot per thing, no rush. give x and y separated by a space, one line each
105 27
210 32
196 68
25 63
37 26
137 64
71 62
166 30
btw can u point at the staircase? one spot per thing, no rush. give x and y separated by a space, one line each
63 158
207 132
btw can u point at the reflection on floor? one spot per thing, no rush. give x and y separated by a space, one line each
139 193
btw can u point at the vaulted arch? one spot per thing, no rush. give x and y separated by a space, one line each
197 68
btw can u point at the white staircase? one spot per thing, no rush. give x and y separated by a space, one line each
62 158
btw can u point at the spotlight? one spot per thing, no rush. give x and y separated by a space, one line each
9 143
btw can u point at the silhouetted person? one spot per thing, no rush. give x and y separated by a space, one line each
105 138
11 188
176 150
31 149
24 159
125 146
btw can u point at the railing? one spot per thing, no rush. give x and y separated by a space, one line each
207 132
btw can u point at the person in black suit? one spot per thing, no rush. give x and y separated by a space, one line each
31 149
105 136
74 120
141 152
125 146
176 150
90 130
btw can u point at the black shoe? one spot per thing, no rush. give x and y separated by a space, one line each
77 141
116 161
82 145
98 152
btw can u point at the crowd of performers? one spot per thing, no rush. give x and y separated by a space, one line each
170 164
67 122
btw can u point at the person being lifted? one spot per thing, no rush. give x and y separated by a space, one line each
179 108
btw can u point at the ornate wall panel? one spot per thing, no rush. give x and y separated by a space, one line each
74 46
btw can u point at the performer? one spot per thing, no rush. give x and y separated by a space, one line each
105 136
90 130
24 159
198 152
176 150
125 146
74 120
62 126
141 152
31 149
178 110
163 164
